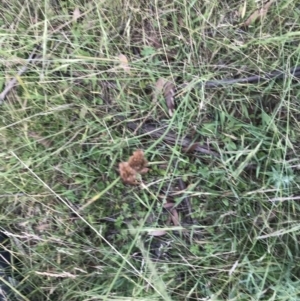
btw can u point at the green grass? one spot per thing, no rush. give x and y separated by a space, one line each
78 231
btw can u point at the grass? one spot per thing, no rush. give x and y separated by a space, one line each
78 232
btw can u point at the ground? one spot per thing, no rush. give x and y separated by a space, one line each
113 77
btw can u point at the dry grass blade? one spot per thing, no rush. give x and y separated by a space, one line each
242 10
258 14
157 232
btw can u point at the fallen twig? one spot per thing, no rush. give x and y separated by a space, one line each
170 137
13 82
293 72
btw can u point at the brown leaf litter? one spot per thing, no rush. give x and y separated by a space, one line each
167 88
258 14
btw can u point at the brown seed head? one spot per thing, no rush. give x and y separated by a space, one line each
138 162
127 173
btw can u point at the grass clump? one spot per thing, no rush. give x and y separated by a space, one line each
88 102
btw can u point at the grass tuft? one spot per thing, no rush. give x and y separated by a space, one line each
88 102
